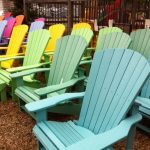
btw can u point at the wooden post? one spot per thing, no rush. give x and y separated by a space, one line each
70 16
25 9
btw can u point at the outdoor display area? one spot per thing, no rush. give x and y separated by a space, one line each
84 66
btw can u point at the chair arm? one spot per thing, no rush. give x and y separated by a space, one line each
28 72
144 102
90 48
108 138
3 58
58 87
3 48
22 68
83 62
52 101
49 53
86 58
23 46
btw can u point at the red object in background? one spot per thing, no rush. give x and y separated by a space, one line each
109 9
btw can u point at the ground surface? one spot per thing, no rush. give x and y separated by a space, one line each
16 130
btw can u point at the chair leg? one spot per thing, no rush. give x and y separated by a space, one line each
14 96
40 146
130 139
3 95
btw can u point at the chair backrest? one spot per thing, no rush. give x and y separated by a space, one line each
141 43
56 32
9 28
113 40
17 37
81 25
7 14
68 53
19 20
2 27
115 79
36 25
40 19
37 42
105 31
1 18
84 32
9 18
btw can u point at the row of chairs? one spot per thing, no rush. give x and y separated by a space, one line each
115 79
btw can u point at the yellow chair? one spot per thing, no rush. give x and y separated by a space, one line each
56 31
14 45
81 25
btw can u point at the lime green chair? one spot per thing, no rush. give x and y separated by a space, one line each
37 42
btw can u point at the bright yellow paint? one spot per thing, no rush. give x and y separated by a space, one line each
15 42
81 25
56 31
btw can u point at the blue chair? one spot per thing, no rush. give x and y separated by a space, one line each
115 78
2 27
36 25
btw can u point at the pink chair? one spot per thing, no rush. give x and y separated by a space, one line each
40 19
7 32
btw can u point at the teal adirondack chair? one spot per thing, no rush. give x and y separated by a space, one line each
37 42
68 53
141 43
116 77
87 34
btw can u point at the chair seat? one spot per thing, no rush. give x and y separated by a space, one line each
62 134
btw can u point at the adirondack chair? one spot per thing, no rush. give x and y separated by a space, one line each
8 31
68 52
14 45
105 31
84 32
81 25
37 42
116 77
141 43
1 18
102 33
111 40
2 28
56 32
40 19
19 20
36 25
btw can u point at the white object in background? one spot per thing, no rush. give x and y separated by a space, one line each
110 22
147 23
95 25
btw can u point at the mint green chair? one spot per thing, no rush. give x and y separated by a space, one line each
141 43
115 78
68 53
